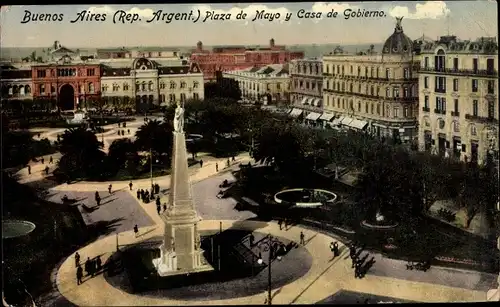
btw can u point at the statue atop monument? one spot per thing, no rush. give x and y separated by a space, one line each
399 27
179 119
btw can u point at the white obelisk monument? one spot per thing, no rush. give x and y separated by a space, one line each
180 251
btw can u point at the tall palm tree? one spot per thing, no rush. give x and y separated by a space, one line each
155 136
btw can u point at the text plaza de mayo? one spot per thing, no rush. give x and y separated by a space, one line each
440 96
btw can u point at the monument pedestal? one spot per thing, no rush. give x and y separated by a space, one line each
180 251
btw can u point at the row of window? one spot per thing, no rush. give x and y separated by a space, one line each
256 86
308 68
455 124
371 90
16 90
441 106
64 72
341 103
440 85
440 63
371 72
306 85
143 86
89 87
172 97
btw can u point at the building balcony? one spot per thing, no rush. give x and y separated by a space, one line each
440 90
455 113
439 111
425 109
460 72
481 119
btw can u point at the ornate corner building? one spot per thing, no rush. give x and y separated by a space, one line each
374 91
459 98
268 84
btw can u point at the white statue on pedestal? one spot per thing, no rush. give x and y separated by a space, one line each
179 119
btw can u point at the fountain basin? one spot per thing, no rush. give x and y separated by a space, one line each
305 198
16 228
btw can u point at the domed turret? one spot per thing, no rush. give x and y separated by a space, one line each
398 42
199 45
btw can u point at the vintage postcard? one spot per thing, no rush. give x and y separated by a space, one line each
250 153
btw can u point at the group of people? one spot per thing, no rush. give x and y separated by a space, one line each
92 267
122 132
42 160
359 263
158 205
145 195
334 247
284 223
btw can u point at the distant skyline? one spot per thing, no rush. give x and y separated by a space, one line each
465 19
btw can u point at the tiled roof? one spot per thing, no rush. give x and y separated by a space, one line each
112 50
115 72
62 50
15 74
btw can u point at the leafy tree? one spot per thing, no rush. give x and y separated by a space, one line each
82 155
123 153
479 192
157 137
223 87
390 186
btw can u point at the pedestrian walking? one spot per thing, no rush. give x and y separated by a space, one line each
98 263
38 134
138 194
157 188
280 223
128 131
302 238
87 266
51 160
130 185
201 163
77 259
46 170
228 163
158 208
136 230
216 166
158 202
164 207
336 249
79 275
109 188
43 160
233 159
29 169
92 268
357 269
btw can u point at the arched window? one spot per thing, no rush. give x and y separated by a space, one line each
53 89
137 87
143 85
183 84
172 85
162 85
82 89
125 86
196 84
150 85
27 89
21 90
91 87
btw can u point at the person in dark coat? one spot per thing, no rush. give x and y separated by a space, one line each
280 223
46 170
336 249
98 263
139 194
110 187
157 188
51 160
96 195
79 275
164 207
130 185
201 163
77 259
43 160
216 166
87 266
158 209
136 230
29 169
158 202
302 238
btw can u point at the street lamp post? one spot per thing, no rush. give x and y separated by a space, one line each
151 165
275 249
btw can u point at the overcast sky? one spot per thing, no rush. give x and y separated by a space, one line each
466 19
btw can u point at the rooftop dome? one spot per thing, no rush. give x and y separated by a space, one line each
398 42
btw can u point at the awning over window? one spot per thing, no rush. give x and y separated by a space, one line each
304 100
295 112
358 124
337 121
326 116
313 116
346 121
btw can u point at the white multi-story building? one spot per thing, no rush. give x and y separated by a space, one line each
268 84
458 112
375 91
151 81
